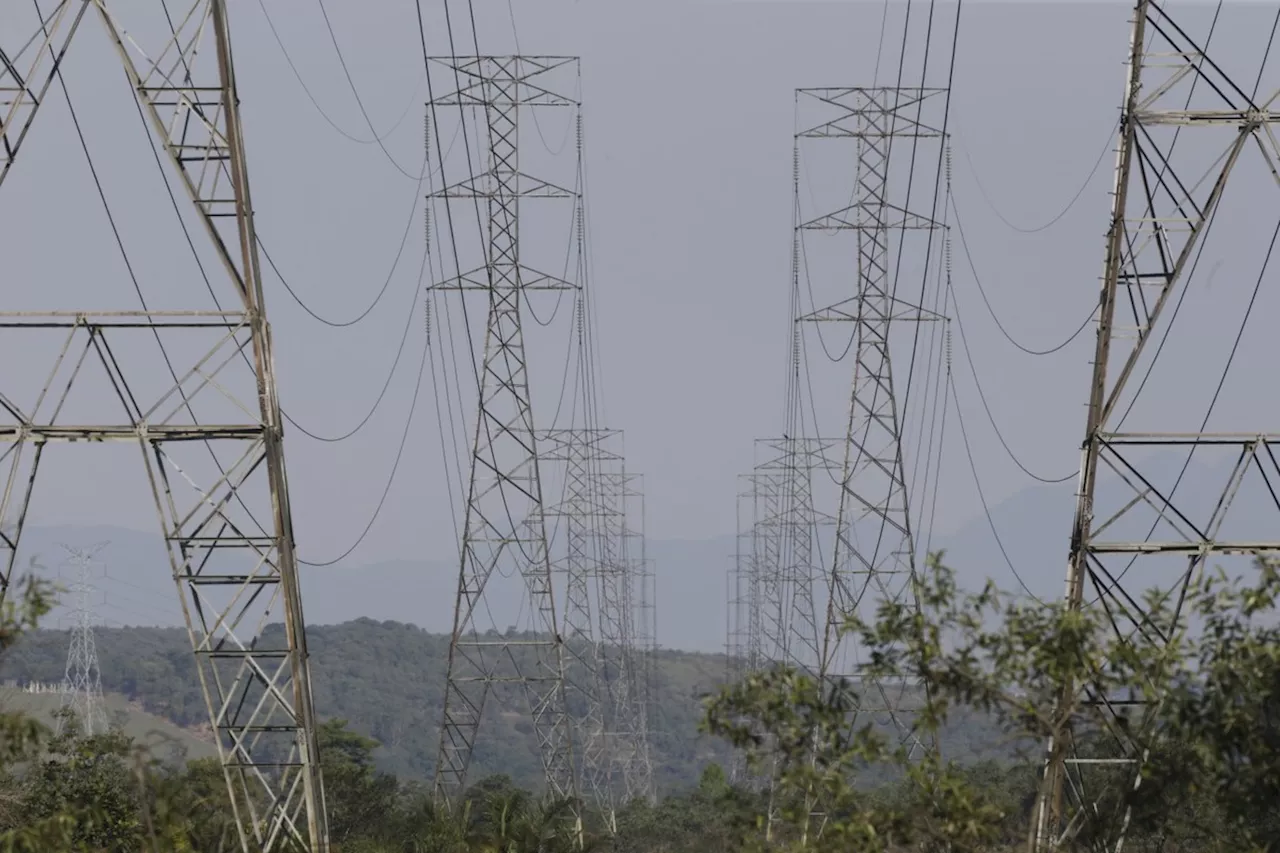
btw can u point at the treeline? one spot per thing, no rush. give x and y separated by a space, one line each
98 794
1205 735
386 680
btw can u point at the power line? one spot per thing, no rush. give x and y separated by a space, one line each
413 404
360 101
404 337
395 467
1072 203
964 344
936 364
937 184
386 284
377 137
964 244
433 126
217 303
986 507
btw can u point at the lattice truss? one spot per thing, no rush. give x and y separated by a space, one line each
865 262
1179 473
546 535
82 681
181 368
776 582
599 555
644 614
778 576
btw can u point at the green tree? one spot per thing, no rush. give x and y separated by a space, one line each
87 778
716 817
359 799
1006 657
496 816
1213 776
188 811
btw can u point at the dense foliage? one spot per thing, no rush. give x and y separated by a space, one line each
1210 781
1205 733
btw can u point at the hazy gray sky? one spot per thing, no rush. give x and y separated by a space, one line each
688 110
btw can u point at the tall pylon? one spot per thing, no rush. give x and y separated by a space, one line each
1185 129
585 671
504 530
212 417
82 683
643 610
773 616
619 587
599 613
874 554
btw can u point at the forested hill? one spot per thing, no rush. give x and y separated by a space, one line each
386 679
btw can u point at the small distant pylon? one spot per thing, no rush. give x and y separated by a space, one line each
82 683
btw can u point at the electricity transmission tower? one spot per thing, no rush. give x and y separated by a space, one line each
755 582
586 672
785 548
504 531
746 635
209 426
1185 128
874 555
642 610
773 615
624 603
600 612
82 684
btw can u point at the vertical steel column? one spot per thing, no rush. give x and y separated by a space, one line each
1133 530
210 434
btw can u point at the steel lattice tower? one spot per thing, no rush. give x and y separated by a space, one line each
1130 517
82 683
620 587
758 500
750 574
210 433
642 610
754 579
874 556
586 672
504 527
785 552
773 618
599 612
